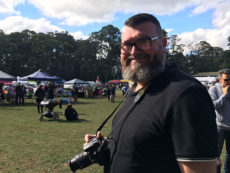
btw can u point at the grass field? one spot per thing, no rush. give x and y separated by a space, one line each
28 145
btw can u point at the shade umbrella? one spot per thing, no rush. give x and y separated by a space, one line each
114 81
39 76
6 82
6 77
123 80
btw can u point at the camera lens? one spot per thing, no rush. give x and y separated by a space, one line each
80 161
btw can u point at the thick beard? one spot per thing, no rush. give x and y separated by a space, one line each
144 72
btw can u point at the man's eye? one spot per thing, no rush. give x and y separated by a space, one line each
143 41
128 44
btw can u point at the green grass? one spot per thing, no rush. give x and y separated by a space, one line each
28 145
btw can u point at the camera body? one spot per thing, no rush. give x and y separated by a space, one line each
92 145
94 152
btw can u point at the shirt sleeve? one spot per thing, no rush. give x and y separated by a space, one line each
218 101
194 131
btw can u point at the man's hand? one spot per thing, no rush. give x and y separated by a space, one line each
198 167
89 137
225 89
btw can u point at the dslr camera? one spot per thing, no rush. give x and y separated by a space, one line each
94 152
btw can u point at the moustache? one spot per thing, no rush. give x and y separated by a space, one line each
138 56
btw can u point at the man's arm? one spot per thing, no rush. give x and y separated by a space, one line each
218 101
197 167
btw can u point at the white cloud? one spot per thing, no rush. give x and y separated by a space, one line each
83 12
216 37
79 35
8 6
204 5
168 30
222 15
77 13
19 23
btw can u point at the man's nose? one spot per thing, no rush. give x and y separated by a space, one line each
134 49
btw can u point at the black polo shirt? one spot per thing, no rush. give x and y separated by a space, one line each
173 120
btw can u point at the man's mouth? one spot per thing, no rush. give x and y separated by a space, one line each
136 57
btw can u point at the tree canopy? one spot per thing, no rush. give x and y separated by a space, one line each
58 53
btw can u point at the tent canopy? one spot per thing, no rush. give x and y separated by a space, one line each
59 80
206 79
39 76
76 81
6 77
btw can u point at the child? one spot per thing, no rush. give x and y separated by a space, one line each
70 113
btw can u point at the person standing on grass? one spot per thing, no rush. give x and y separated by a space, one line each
167 124
108 91
40 95
112 91
74 91
1 93
11 93
50 91
220 94
18 96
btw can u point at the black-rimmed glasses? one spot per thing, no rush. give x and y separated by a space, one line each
226 80
143 44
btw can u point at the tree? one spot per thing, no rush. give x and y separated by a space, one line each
107 41
229 41
58 53
85 60
209 57
226 60
173 46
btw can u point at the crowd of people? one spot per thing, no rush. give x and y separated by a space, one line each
17 93
14 94
44 93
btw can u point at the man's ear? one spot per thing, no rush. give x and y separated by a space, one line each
164 42
219 77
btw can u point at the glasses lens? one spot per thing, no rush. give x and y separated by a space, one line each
143 44
226 80
125 47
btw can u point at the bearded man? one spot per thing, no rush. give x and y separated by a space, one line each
167 123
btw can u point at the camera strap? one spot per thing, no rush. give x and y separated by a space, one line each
105 121
137 98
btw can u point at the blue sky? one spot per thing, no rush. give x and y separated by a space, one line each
180 21
192 21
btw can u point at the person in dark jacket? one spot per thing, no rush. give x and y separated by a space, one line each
39 94
167 123
70 113
18 97
50 91
1 93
